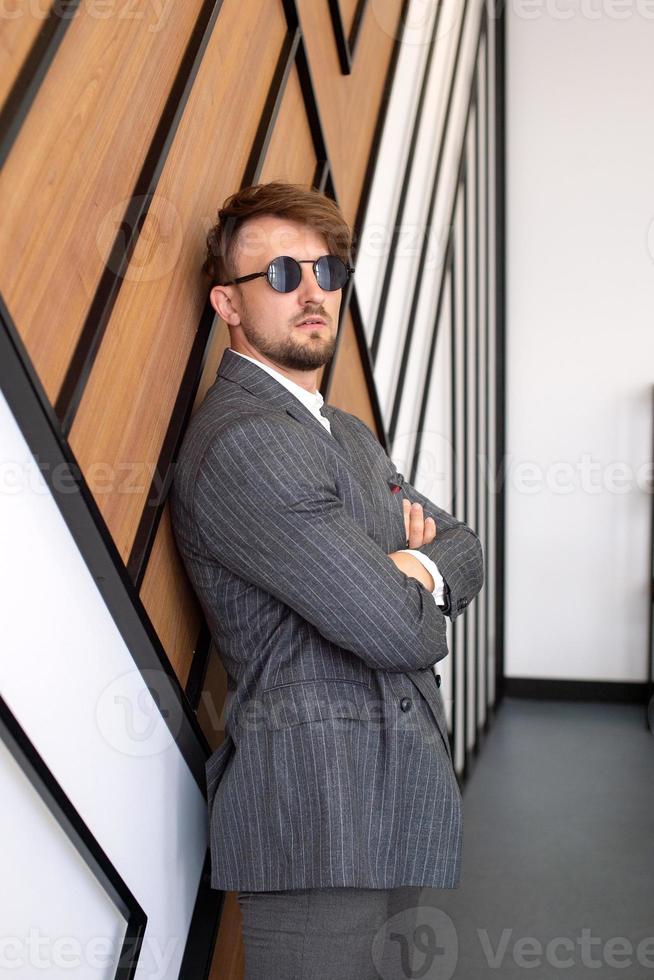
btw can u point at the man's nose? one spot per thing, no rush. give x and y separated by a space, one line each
309 291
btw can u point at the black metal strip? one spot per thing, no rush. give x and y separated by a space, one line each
101 307
34 69
373 157
320 176
546 688
346 44
453 402
31 408
203 931
390 263
500 232
476 479
487 461
199 664
464 401
87 846
355 29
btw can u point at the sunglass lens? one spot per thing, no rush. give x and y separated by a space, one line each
284 274
331 272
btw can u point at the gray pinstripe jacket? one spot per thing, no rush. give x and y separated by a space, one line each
335 769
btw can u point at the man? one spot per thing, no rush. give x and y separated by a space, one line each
325 578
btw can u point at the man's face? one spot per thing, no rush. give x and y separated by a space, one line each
270 321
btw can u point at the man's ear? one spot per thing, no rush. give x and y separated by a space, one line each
221 301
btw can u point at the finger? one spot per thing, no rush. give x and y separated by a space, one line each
430 530
416 525
406 504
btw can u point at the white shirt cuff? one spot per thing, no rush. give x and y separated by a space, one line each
439 588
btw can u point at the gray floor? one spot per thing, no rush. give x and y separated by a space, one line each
558 845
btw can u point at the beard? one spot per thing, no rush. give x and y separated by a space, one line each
289 352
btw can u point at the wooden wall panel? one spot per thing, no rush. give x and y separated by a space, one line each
291 154
348 388
136 376
74 164
349 104
170 601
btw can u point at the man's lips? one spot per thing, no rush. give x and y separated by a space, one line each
312 322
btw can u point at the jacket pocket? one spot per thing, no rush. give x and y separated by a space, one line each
316 700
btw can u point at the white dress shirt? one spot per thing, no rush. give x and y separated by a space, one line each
313 400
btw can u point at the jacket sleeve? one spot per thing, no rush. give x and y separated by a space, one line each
456 549
266 513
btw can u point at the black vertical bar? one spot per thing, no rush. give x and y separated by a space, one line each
500 357
453 310
487 461
464 402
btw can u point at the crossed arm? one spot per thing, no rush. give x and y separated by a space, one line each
265 514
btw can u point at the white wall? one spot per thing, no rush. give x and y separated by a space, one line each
580 343
68 677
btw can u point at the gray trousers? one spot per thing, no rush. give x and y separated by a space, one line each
329 933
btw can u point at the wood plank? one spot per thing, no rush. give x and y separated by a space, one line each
170 601
347 387
136 376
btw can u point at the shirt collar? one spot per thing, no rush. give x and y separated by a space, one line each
312 399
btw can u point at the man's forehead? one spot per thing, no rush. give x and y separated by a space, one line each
268 236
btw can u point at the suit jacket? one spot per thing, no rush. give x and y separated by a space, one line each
336 768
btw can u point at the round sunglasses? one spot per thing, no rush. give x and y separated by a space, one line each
284 273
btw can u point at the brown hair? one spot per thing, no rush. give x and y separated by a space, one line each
294 202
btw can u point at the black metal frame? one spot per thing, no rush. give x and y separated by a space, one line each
346 44
44 783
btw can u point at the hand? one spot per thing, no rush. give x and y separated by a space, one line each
419 529
410 566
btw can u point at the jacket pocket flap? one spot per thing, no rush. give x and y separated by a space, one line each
316 700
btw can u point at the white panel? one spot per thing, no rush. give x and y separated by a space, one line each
580 280
57 920
71 682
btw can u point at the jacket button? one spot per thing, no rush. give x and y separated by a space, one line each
438 680
405 704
